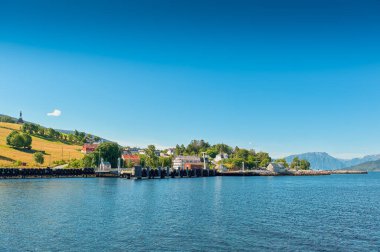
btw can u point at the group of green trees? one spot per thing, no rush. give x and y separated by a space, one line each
195 147
150 159
75 138
108 151
236 156
300 164
250 158
296 164
20 140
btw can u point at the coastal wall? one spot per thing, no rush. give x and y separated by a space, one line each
45 173
156 173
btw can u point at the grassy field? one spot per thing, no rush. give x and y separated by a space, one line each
54 150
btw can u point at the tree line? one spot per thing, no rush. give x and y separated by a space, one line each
7 119
74 138
296 164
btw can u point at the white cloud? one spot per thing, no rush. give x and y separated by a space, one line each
56 112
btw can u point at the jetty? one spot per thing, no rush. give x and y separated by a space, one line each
151 173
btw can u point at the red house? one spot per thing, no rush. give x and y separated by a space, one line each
89 148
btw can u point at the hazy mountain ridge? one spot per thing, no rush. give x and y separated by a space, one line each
324 161
367 166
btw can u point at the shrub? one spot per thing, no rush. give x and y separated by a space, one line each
39 157
17 163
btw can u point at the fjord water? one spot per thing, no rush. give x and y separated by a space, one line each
328 213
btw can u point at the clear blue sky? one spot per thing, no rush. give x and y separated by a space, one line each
279 76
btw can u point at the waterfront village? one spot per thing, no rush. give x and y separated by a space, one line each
102 157
133 156
199 158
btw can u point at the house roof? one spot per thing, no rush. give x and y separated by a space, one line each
126 156
90 146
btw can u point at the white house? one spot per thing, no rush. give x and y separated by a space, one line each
170 151
220 157
275 167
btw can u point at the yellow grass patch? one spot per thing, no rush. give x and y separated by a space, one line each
54 150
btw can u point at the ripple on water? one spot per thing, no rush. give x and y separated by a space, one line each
333 213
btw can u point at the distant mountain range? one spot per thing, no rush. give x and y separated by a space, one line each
368 166
324 161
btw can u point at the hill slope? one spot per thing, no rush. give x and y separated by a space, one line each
323 161
54 150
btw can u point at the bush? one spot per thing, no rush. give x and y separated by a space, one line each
39 157
60 162
17 163
75 163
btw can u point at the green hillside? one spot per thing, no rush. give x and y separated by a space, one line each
53 150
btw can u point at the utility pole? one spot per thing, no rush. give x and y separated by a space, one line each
99 159
204 160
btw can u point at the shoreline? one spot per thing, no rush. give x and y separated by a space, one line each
290 173
15 173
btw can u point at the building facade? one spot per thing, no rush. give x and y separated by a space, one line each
180 161
192 166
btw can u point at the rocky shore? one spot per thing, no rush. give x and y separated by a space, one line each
288 173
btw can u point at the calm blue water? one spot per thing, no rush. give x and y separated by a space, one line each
332 213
